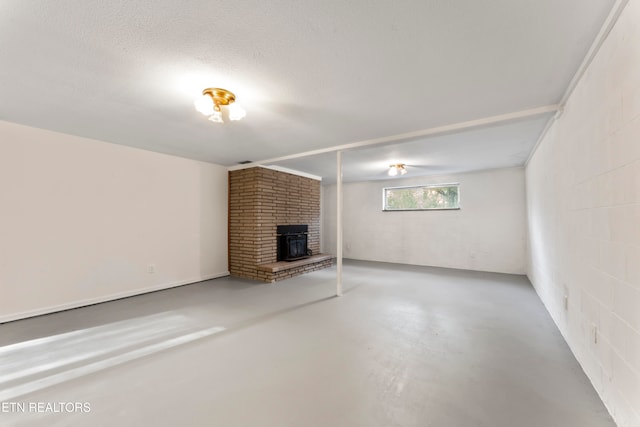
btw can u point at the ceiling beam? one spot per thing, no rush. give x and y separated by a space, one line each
394 139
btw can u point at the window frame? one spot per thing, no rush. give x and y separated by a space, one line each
451 184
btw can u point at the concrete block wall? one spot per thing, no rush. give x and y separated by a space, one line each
488 233
583 196
259 200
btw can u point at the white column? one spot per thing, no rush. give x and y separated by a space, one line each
339 223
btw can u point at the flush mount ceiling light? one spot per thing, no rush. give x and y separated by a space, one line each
213 98
396 169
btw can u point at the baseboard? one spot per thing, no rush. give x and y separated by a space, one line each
112 297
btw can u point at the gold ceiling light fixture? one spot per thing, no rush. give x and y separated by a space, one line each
396 169
213 99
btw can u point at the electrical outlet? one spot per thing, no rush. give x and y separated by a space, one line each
565 303
151 269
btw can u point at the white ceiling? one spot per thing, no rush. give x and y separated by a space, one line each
310 74
490 147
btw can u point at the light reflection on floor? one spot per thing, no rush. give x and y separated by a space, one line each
32 365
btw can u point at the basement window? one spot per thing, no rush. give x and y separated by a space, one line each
421 197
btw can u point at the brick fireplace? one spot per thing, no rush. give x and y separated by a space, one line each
260 199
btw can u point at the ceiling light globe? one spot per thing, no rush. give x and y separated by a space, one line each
236 112
216 117
402 170
204 104
393 171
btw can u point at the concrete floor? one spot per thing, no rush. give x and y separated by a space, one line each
405 346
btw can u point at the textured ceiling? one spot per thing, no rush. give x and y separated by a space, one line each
490 147
310 74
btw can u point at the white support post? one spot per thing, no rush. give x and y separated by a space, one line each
339 223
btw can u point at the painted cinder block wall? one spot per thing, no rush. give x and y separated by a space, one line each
488 233
259 200
583 196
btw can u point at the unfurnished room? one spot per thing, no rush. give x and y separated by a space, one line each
313 214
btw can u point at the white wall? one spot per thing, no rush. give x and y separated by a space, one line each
486 234
583 187
81 220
